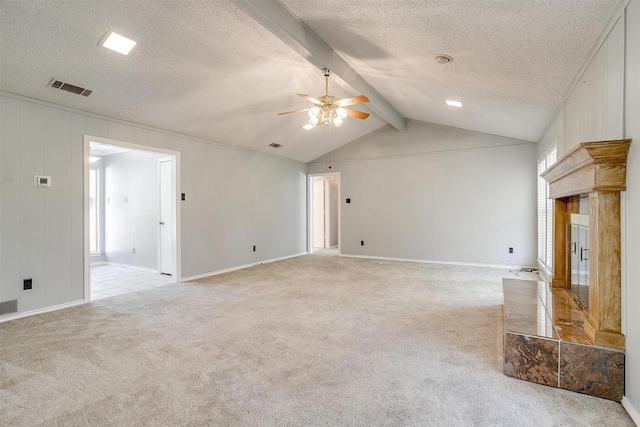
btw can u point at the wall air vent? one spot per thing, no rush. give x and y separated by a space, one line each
57 84
274 145
8 307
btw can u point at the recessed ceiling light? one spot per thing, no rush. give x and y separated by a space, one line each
454 103
114 41
443 59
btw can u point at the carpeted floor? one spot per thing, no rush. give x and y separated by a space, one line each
310 341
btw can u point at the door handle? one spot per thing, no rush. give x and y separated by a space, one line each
573 247
584 254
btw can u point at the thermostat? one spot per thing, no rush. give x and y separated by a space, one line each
41 181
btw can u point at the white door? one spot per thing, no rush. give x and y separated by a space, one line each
166 219
318 214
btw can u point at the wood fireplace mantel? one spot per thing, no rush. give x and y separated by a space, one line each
599 170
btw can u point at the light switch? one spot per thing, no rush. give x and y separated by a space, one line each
41 181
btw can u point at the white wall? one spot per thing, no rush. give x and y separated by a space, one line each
333 215
605 104
555 133
234 199
132 224
436 193
631 227
594 109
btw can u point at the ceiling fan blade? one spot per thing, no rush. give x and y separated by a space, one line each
357 114
294 111
310 98
360 99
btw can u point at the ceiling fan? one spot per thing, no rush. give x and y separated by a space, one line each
329 109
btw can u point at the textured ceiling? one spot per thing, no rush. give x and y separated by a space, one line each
208 70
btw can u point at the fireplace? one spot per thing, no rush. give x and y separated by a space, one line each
586 242
578 233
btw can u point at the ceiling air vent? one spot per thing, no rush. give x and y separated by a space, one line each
57 84
274 145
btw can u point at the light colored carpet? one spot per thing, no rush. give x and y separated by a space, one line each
316 340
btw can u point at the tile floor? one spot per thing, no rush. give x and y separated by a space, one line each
111 280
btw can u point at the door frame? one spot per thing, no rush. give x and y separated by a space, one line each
160 161
310 190
175 172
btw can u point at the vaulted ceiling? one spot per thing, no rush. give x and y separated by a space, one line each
209 69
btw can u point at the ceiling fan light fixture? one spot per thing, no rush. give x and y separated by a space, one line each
329 110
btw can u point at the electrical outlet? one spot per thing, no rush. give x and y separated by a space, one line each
361 242
27 284
510 250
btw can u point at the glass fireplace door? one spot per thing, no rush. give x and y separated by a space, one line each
579 258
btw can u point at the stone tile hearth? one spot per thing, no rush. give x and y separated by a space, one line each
545 342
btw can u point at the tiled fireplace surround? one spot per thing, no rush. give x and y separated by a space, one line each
549 339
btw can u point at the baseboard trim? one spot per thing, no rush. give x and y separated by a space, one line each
129 266
423 261
20 315
240 267
633 412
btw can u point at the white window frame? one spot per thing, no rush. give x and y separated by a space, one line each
545 212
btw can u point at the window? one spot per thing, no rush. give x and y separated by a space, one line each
94 211
545 212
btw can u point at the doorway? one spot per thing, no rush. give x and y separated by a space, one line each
131 217
324 213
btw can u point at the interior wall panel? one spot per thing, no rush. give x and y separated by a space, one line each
445 194
10 254
235 199
53 273
32 204
631 228
594 108
132 224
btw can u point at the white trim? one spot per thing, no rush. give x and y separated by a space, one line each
545 276
424 261
175 155
86 255
240 267
310 177
633 412
623 262
174 200
129 266
19 315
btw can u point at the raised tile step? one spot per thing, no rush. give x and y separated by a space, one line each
545 342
